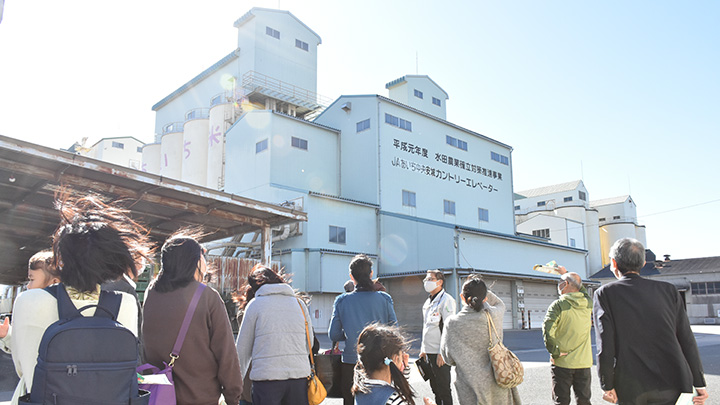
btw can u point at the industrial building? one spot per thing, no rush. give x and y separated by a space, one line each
387 176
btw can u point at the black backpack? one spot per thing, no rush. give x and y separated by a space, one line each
87 360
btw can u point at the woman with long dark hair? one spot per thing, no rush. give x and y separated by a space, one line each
464 345
94 242
352 312
273 337
207 365
379 378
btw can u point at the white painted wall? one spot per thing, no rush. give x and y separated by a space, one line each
405 93
434 180
127 156
278 58
514 256
358 150
151 158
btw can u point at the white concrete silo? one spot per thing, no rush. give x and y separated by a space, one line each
221 117
151 158
171 151
195 147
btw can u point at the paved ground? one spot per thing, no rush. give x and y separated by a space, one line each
535 390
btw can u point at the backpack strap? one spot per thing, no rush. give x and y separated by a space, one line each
109 303
175 354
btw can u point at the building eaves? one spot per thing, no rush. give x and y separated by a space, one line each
421 113
117 137
197 79
315 124
608 201
334 197
555 188
519 238
251 14
404 79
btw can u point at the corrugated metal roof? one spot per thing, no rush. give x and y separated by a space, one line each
30 174
556 188
195 80
690 266
608 201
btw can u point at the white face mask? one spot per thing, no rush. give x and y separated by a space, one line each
430 286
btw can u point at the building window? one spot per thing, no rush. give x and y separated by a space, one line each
572 242
408 198
499 158
337 234
437 102
616 217
261 146
601 219
460 144
216 100
398 122
299 143
363 125
582 196
418 93
567 199
118 145
449 207
483 215
139 149
300 44
517 208
543 233
541 203
273 33
711 287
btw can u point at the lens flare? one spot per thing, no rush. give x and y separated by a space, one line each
393 250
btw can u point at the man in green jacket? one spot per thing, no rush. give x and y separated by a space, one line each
566 331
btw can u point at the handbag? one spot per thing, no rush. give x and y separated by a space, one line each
316 390
164 394
506 366
327 368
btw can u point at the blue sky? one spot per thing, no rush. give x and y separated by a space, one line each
625 95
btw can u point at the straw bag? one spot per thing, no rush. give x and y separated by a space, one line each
506 366
316 391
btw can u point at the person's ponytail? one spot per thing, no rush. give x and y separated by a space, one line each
401 384
474 290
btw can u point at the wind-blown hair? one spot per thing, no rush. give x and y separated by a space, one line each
95 241
629 254
258 277
474 290
376 343
179 260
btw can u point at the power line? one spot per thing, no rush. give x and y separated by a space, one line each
680 208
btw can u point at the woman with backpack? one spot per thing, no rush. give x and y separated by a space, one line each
206 365
464 345
94 242
274 336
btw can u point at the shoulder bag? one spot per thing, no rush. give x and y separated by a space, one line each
164 394
316 391
506 366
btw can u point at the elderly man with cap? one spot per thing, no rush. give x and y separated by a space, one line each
566 331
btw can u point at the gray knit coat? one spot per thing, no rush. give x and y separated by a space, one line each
464 345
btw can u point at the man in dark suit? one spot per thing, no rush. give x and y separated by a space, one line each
647 353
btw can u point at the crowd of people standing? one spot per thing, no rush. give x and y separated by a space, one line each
98 249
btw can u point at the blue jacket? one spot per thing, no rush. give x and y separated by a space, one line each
352 312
